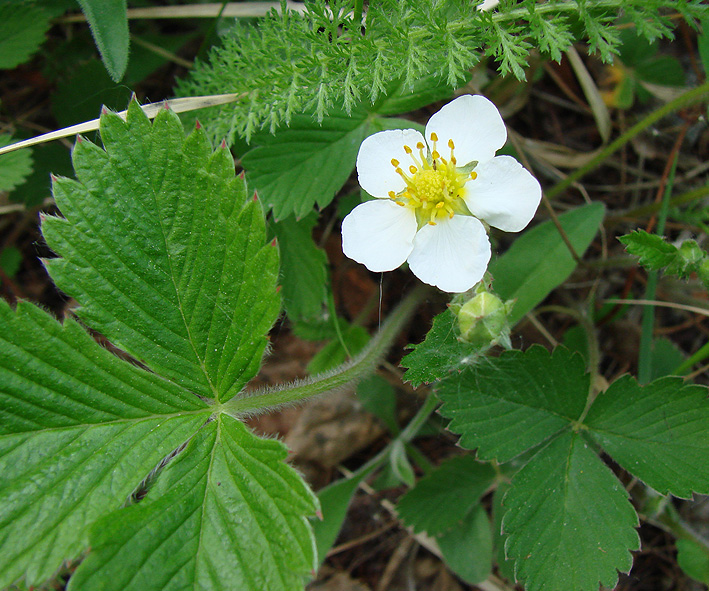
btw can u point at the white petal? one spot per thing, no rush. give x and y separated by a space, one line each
376 174
488 4
379 234
475 126
452 255
504 194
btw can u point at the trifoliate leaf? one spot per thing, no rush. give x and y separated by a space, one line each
166 253
568 520
227 513
453 488
306 163
108 20
15 167
303 268
656 432
22 29
510 404
79 429
440 352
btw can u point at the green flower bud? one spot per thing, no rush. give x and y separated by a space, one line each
483 320
690 252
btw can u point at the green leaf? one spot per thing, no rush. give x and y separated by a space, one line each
400 464
400 98
303 268
165 253
505 406
378 397
79 429
467 548
653 250
440 352
10 260
657 432
703 43
306 163
81 92
227 513
109 26
693 559
334 353
505 565
15 167
334 500
22 30
663 70
568 520
453 488
666 358
539 260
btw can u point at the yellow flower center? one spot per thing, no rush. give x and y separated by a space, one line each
434 185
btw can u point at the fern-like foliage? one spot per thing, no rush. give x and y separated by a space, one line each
291 63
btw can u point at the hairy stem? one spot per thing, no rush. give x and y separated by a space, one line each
346 375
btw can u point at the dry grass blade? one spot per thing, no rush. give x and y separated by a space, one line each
179 105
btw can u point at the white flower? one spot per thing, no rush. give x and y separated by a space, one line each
433 193
488 4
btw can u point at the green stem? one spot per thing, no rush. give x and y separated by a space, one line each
670 520
648 321
346 375
357 13
688 98
409 432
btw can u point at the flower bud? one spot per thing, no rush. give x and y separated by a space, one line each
482 320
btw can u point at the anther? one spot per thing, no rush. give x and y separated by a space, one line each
435 155
391 194
453 160
407 149
413 169
451 145
473 175
434 137
431 223
420 146
394 162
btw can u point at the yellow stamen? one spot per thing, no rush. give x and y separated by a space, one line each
434 137
394 162
451 145
435 155
412 169
391 194
420 146
431 223
407 149
473 175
